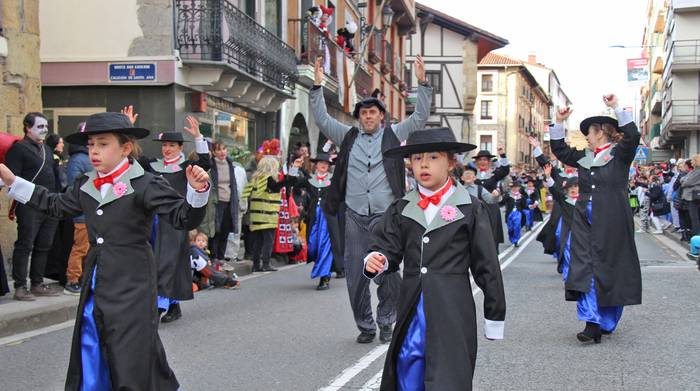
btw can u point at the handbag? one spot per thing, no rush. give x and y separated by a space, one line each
695 195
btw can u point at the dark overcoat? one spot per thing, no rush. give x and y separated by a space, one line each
604 249
119 228
438 258
172 246
490 183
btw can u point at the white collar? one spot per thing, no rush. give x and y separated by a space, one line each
120 165
428 192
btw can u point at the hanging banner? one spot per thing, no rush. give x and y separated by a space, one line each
638 70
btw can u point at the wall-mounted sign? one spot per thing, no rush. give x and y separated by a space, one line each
132 72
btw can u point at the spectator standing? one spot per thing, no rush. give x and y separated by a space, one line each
31 159
78 165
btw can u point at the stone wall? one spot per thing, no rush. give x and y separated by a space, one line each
20 84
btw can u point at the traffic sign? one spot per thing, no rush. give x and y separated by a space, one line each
642 153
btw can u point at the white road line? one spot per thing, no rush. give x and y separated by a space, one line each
19 338
373 383
361 364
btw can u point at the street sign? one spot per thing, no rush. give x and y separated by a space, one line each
642 154
132 72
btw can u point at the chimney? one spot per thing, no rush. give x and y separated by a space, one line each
532 59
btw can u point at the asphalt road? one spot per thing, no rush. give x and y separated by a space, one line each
278 333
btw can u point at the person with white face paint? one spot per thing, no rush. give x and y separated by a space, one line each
33 160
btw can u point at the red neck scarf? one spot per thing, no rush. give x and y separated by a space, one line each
166 163
601 149
436 197
321 177
98 182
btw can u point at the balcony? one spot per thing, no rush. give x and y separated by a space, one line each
682 115
227 53
682 55
309 43
656 99
404 15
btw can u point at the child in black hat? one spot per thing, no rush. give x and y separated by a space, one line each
322 229
115 340
439 232
516 203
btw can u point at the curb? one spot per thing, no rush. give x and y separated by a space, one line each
21 316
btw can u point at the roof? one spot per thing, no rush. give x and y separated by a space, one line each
487 41
499 59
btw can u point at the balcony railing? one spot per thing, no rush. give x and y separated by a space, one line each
215 30
309 43
682 53
682 113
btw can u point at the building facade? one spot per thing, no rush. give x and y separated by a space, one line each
20 84
511 106
452 50
377 61
222 61
20 68
679 102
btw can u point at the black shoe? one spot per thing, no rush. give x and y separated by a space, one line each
257 269
365 337
174 313
605 332
323 285
269 268
340 275
590 334
385 333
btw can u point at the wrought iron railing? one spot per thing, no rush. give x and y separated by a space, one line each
215 30
309 43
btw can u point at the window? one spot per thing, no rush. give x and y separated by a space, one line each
486 109
486 83
435 80
486 142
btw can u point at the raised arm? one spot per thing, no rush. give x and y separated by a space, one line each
486 271
564 153
626 149
503 168
417 120
329 126
200 144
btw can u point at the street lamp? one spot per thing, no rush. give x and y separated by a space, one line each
387 15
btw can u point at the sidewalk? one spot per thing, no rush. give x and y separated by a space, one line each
22 316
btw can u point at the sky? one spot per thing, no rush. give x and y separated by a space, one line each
573 37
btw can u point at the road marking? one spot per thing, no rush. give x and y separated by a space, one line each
262 274
361 364
22 337
373 384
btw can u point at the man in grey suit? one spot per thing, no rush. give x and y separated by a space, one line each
367 183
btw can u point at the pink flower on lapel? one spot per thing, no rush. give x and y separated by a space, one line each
175 168
448 213
606 158
327 182
119 189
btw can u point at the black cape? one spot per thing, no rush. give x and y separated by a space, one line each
172 245
605 249
438 258
119 228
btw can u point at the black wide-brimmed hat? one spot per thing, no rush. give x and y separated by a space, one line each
368 102
483 153
471 168
106 123
322 157
430 140
174 137
603 118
